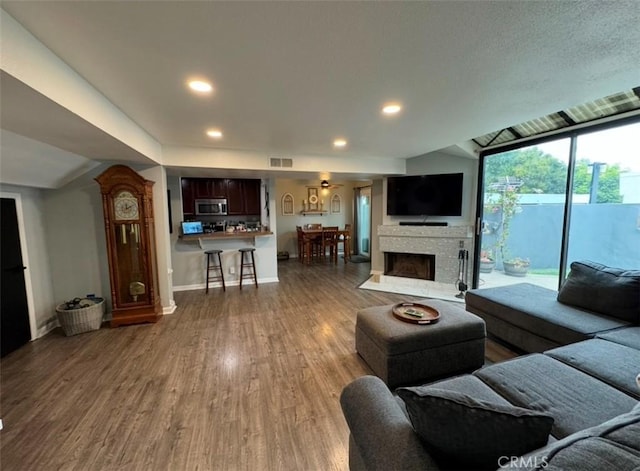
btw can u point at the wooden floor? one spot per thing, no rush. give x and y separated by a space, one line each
236 380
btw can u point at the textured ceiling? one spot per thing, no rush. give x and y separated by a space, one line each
291 76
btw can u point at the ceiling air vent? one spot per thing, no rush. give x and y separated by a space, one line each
287 163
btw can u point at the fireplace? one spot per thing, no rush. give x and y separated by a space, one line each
410 265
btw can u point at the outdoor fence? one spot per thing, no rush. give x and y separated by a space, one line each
604 233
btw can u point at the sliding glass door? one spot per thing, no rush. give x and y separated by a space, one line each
605 216
531 230
523 194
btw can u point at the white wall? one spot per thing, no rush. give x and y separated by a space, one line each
163 243
435 163
28 60
37 257
77 244
287 236
378 202
188 259
76 239
222 159
432 163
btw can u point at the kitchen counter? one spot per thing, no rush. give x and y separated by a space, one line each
223 236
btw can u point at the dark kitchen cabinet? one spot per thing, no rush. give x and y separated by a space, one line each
203 188
219 187
188 197
243 195
252 197
235 197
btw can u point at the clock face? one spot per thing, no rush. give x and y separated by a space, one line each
125 206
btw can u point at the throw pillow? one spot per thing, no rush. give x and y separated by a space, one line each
611 291
461 431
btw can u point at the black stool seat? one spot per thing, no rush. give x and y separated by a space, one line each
250 264
214 272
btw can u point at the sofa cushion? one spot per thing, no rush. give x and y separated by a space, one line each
596 358
536 309
574 399
611 445
471 386
611 291
462 431
629 336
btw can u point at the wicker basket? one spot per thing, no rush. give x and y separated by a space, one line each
77 321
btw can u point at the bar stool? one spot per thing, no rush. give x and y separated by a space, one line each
214 272
249 264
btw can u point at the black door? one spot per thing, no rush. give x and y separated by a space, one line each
14 312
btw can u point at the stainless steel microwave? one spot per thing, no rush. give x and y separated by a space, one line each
211 207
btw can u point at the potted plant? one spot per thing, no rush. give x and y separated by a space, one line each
487 261
507 204
516 266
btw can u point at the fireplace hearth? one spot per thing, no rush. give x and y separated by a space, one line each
410 265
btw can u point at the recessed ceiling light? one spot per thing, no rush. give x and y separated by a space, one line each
214 133
391 108
200 86
339 143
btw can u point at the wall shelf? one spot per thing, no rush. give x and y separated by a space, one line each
315 212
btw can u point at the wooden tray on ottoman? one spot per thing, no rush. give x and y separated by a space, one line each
422 314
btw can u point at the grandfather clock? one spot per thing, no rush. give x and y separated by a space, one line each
127 201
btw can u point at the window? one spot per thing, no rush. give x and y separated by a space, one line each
525 209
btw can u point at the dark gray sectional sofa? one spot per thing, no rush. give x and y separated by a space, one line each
594 299
584 380
588 388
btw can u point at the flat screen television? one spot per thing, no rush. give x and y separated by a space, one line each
425 195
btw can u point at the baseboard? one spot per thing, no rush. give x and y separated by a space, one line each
190 287
170 309
261 281
51 324
340 252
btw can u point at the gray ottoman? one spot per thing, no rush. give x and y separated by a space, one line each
402 353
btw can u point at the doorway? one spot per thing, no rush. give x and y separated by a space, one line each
15 330
522 205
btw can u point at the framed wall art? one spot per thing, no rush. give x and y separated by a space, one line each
287 204
336 204
312 194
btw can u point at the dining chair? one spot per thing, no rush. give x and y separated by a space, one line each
330 241
301 251
345 239
308 248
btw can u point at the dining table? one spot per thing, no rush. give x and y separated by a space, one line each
312 236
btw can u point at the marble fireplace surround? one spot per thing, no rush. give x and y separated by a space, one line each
443 242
